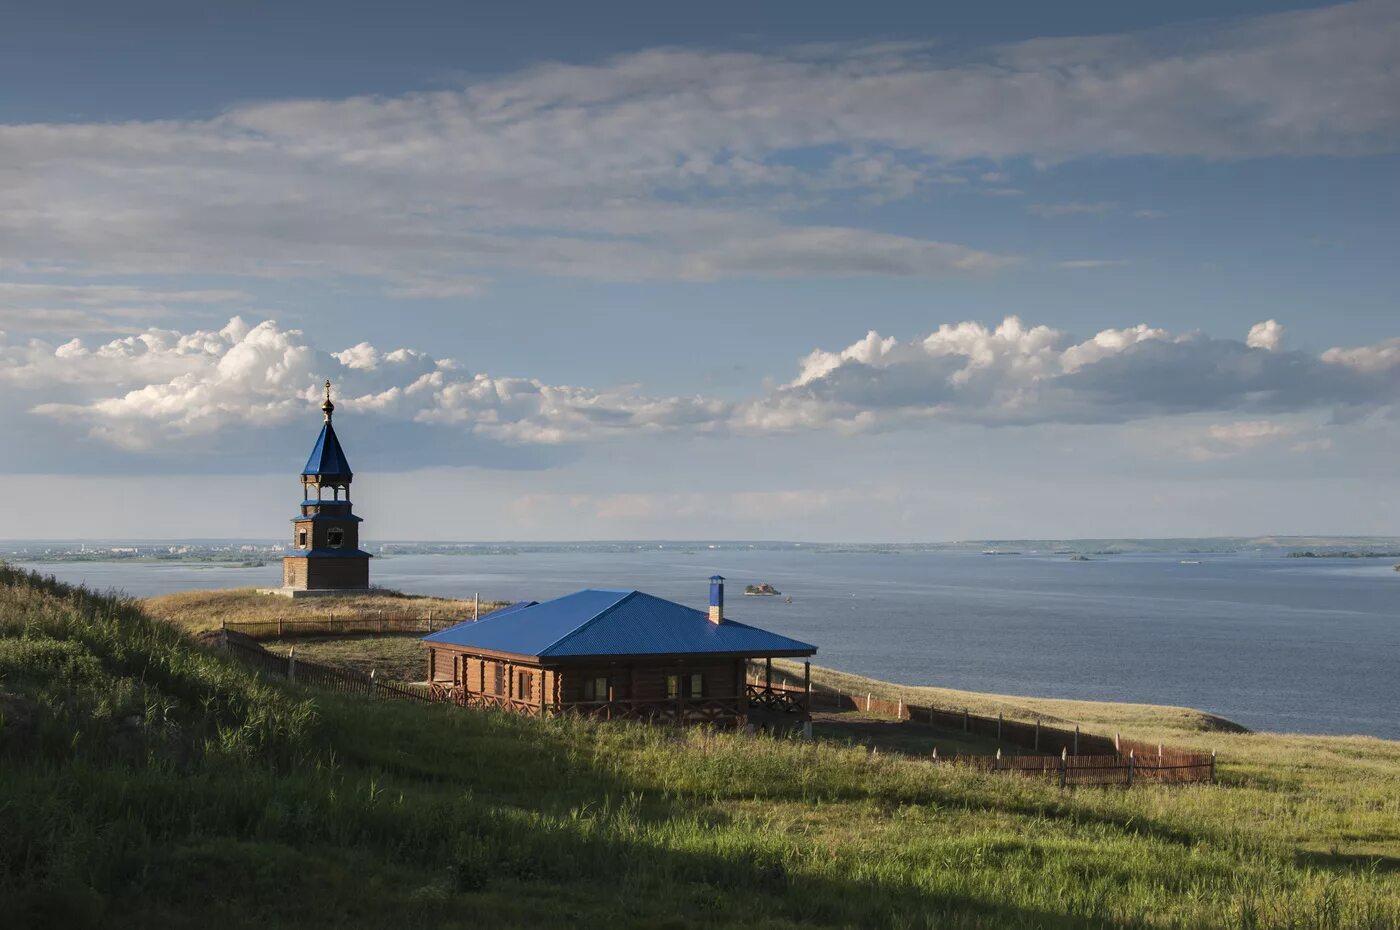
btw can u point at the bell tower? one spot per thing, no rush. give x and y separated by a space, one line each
325 555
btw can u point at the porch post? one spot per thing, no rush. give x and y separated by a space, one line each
807 688
741 669
680 691
768 674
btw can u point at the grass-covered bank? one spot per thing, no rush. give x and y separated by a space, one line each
204 610
144 780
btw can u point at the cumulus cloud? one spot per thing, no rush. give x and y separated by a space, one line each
1266 335
673 163
1376 359
1019 374
179 387
162 390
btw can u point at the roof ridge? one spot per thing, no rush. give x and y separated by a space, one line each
593 619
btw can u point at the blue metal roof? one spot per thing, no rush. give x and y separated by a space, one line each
509 608
327 459
597 622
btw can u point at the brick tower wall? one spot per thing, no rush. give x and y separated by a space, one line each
316 574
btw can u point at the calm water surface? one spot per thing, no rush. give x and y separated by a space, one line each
1273 643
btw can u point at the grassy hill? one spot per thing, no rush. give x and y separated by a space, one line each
146 781
204 610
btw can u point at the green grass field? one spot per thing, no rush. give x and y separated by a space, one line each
145 781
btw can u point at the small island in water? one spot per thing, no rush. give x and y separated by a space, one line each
761 590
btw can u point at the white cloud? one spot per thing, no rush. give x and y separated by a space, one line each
163 390
253 377
1382 357
1015 374
1266 335
1106 343
668 163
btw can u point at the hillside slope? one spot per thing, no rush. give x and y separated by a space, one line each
204 610
146 781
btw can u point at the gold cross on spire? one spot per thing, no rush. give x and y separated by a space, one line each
328 408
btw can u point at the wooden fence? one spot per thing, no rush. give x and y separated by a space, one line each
1125 769
1071 756
339 626
343 680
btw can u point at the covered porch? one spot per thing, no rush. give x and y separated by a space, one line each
723 690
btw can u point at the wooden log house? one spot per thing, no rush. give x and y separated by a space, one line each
617 654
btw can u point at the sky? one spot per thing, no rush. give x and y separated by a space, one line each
830 272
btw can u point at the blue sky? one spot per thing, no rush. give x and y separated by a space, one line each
838 272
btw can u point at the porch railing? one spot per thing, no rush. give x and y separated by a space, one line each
660 710
781 700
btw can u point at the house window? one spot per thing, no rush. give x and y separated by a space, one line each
595 689
523 680
500 677
335 537
673 687
697 685
301 539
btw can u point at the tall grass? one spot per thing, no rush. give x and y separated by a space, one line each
144 780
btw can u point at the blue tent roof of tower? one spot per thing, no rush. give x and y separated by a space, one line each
327 458
612 622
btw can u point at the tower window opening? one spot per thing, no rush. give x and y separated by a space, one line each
301 539
335 537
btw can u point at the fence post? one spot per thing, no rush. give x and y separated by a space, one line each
1131 763
371 683
1159 755
1037 734
998 732
1064 765
430 619
476 607
868 696
1212 766
900 712
1117 748
279 627
935 754
998 762
292 664
1076 739
967 721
